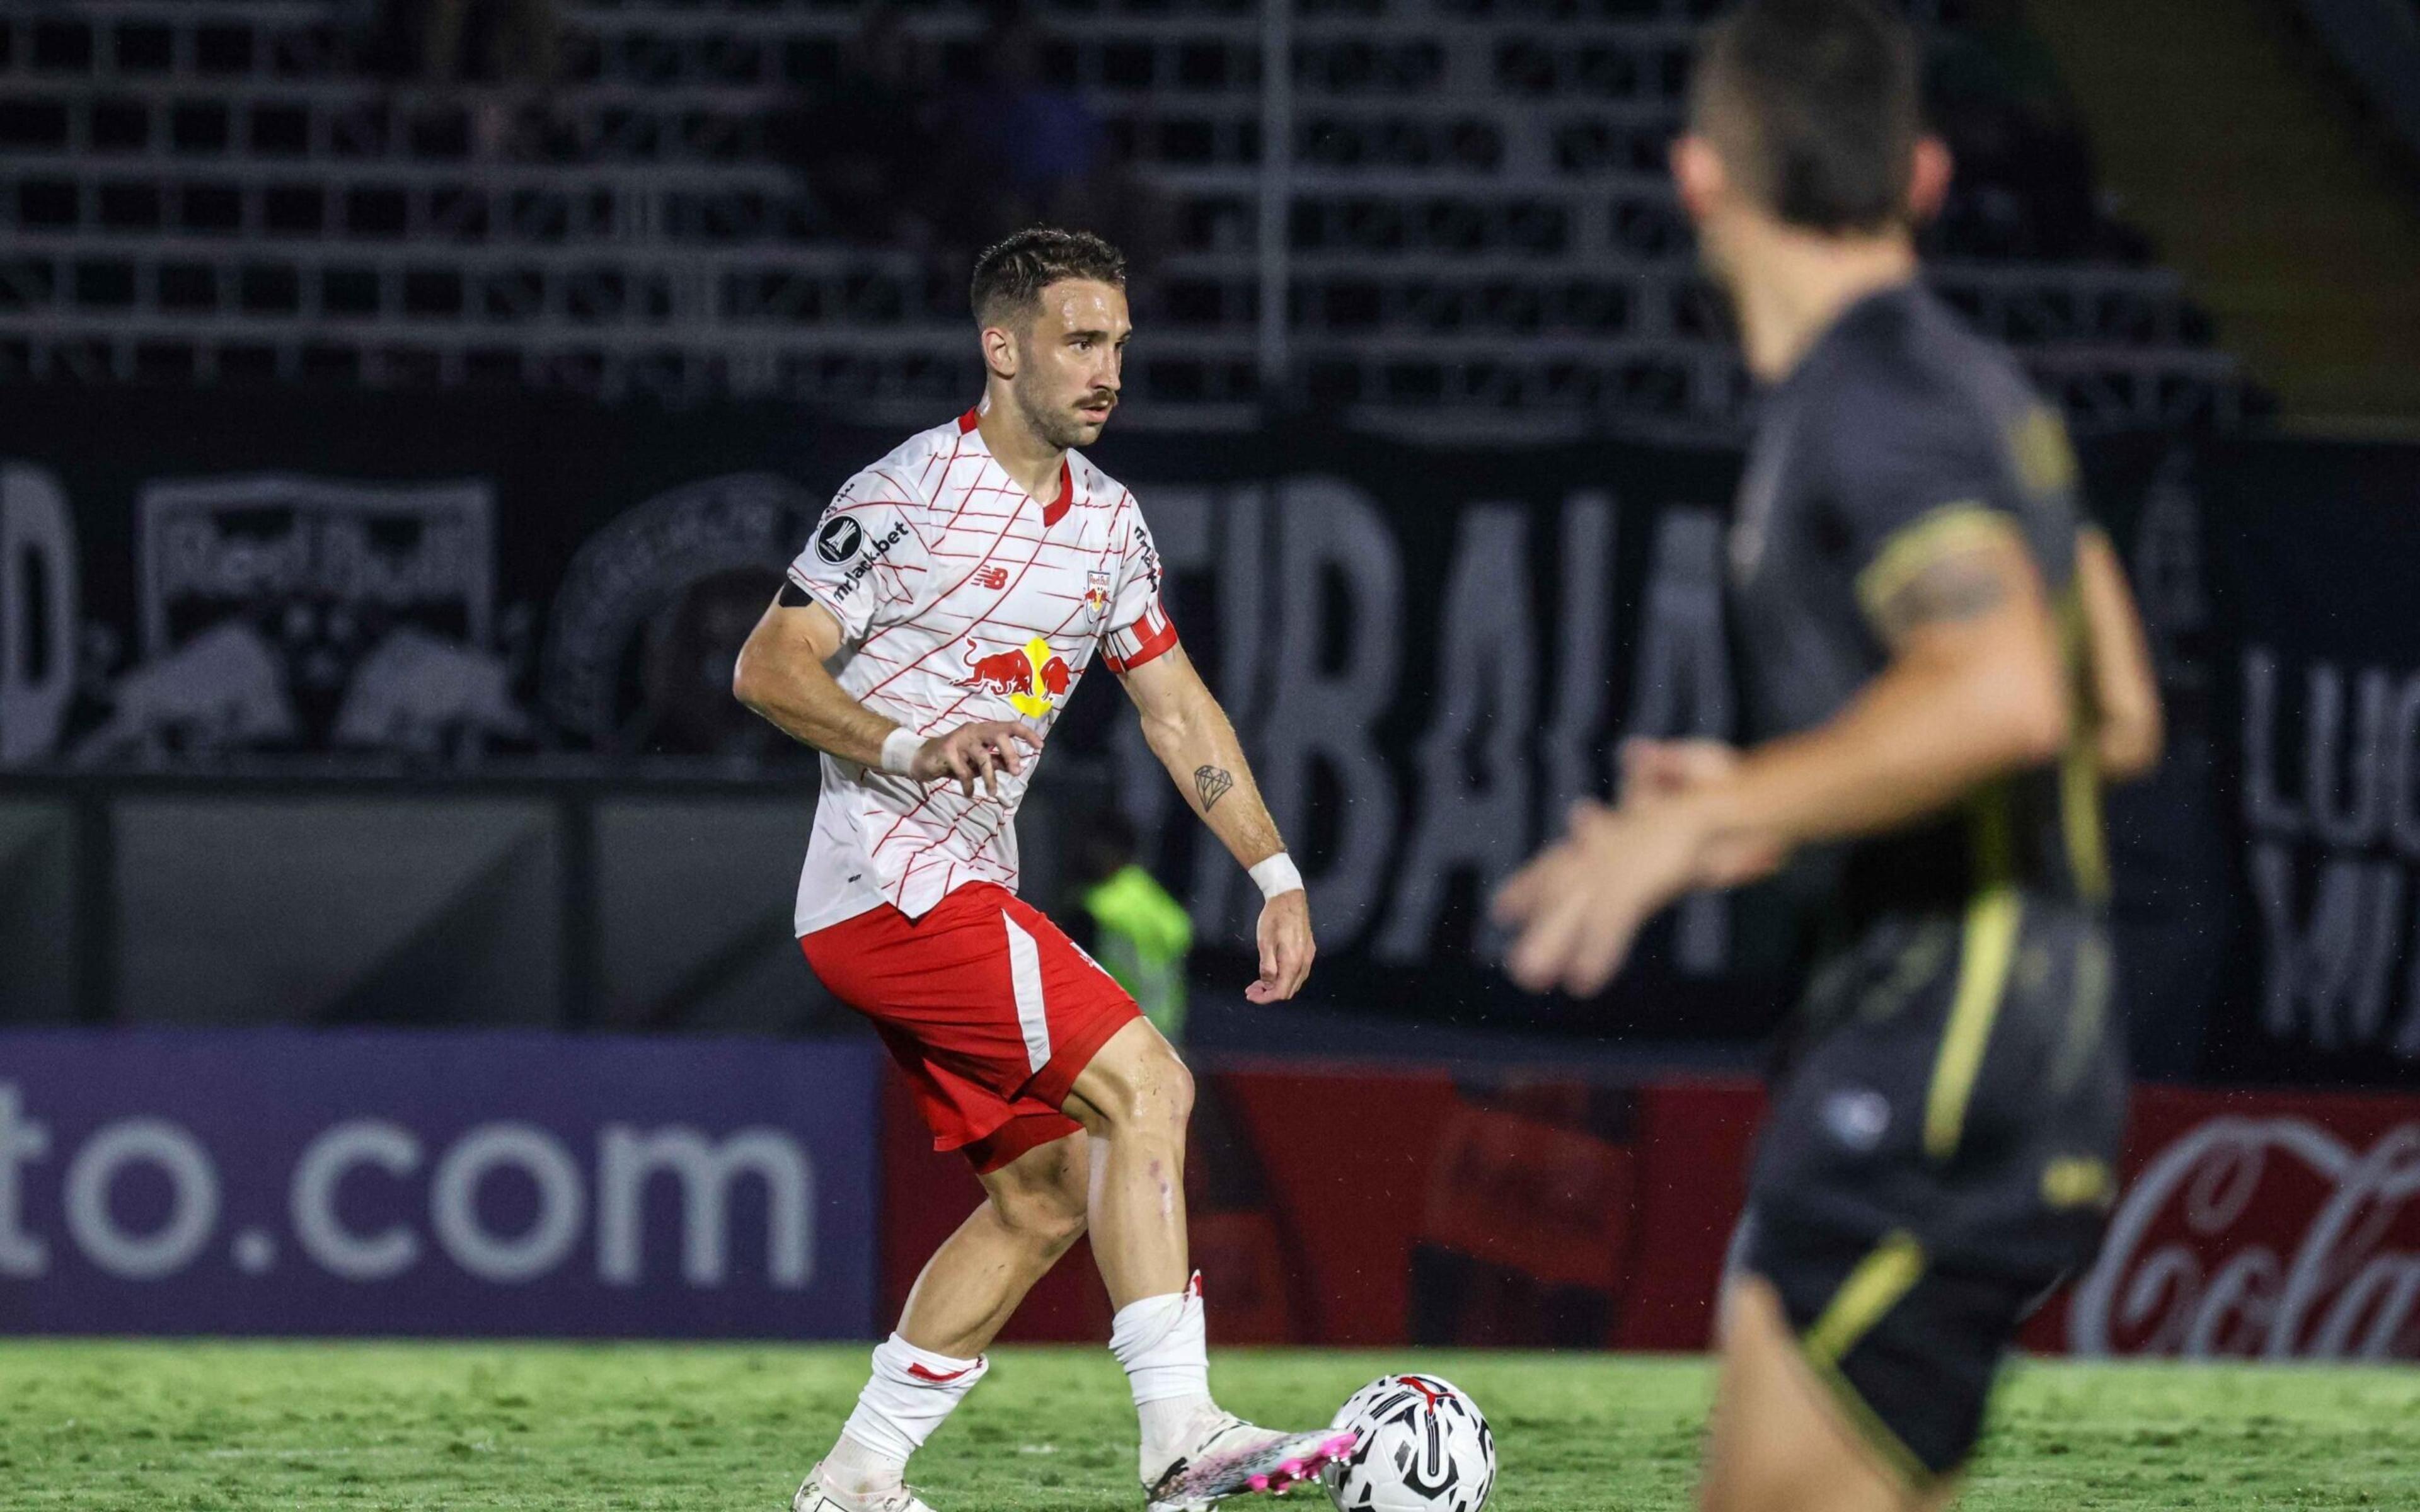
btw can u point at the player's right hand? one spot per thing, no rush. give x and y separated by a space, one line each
1579 904
975 753
1286 948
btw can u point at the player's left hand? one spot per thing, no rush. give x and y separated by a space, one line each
1653 769
1286 948
1580 904
1668 768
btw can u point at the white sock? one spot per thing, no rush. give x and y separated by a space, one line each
855 1471
1163 1342
911 1391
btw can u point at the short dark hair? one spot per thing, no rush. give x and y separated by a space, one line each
1011 274
1815 105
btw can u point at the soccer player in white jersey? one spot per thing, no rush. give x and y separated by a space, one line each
928 637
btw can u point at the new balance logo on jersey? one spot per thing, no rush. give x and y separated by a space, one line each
993 578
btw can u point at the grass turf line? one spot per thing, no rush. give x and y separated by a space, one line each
112 1427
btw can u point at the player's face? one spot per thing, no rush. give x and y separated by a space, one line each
1069 360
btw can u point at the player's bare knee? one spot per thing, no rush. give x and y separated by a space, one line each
1043 1214
1148 1092
1040 1196
1162 1103
1175 1088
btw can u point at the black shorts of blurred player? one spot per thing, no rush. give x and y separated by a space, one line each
1938 1157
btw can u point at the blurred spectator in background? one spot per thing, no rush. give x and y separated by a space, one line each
513 48
1045 143
873 144
2024 185
486 42
1041 155
892 160
1128 921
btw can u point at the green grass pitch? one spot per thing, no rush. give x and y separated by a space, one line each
245 1428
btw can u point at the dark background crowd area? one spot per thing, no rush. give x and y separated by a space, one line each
943 146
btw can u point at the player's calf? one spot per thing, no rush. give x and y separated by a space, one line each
1033 1213
1134 1099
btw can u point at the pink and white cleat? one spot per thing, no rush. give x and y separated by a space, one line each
1233 1457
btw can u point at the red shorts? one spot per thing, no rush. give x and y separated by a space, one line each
988 1007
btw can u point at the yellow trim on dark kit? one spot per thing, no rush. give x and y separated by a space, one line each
2079 766
1968 525
1994 918
1871 1290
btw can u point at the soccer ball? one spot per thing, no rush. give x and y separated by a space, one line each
1424 1447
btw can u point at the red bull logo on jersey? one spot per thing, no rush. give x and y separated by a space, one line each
1032 677
1096 594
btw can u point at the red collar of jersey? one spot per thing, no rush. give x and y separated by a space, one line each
1056 510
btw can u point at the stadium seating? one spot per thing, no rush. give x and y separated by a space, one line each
1476 229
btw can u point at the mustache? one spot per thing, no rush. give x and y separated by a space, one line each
1102 397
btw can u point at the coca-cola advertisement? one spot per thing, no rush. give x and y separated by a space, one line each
2270 1226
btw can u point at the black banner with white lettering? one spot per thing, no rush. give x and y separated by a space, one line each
1430 653
2315 577
1433 653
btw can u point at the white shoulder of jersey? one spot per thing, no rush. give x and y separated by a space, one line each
1094 483
913 473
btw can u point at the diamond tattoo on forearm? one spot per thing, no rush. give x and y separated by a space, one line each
1212 783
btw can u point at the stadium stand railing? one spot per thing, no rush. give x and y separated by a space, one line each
1477 233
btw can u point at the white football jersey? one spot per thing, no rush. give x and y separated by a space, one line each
961 598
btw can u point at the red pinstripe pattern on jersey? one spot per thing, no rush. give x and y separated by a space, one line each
968 516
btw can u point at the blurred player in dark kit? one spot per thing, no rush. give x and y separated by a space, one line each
1941 662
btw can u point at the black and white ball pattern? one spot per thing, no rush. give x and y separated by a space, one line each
1424 1447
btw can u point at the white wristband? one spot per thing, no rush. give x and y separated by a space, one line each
899 750
1278 874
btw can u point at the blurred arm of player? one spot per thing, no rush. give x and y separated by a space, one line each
2128 730
1975 689
1188 732
781 675
2127 725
